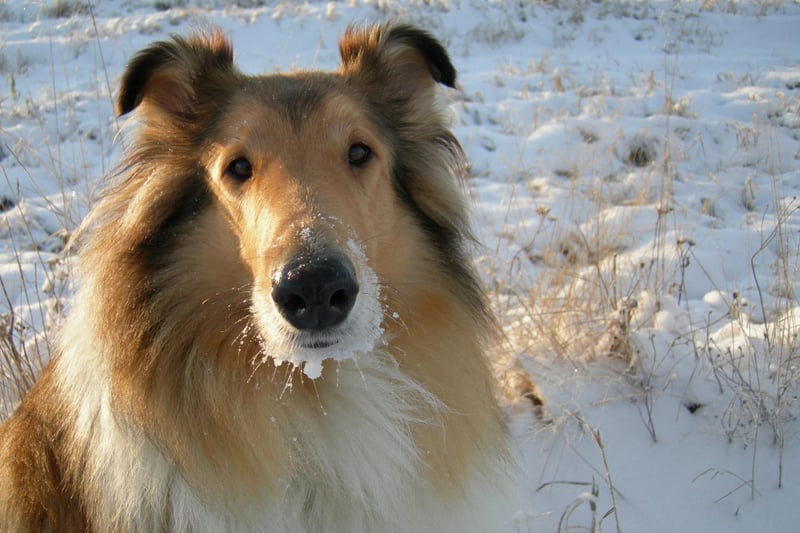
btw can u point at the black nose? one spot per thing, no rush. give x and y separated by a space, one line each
315 293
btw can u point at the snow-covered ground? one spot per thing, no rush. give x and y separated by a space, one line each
635 180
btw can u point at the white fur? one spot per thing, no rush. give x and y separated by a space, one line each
352 451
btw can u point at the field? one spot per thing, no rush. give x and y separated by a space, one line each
635 171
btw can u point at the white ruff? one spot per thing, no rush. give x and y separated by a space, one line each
354 466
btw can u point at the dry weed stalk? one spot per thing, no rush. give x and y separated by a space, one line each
19 368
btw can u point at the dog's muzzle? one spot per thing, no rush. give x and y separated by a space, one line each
315 292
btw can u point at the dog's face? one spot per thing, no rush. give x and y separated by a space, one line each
312 205
316 194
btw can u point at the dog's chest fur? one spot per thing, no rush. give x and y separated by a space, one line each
353 464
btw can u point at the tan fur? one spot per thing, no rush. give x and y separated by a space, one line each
161 399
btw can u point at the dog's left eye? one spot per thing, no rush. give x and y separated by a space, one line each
359 154
240 169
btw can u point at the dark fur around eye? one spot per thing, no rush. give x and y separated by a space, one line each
358 155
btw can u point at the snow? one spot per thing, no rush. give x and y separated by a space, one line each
634 181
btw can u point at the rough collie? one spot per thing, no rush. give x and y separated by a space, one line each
276 327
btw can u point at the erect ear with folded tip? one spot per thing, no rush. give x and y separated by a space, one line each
170 74
400 62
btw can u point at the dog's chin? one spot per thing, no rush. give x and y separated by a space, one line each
309 350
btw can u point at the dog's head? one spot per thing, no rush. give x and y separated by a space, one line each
327 198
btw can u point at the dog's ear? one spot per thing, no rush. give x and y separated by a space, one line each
168 74
398 62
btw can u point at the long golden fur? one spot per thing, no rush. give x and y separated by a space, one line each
185 395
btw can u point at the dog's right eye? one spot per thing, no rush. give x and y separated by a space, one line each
240 169
359 155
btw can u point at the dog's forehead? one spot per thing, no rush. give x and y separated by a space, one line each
295 96
277 108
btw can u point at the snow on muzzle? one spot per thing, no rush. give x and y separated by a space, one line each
318 305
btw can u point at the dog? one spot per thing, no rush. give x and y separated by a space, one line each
276 327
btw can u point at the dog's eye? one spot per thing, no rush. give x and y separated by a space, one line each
240 169
358 155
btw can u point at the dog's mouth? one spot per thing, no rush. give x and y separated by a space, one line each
319 344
